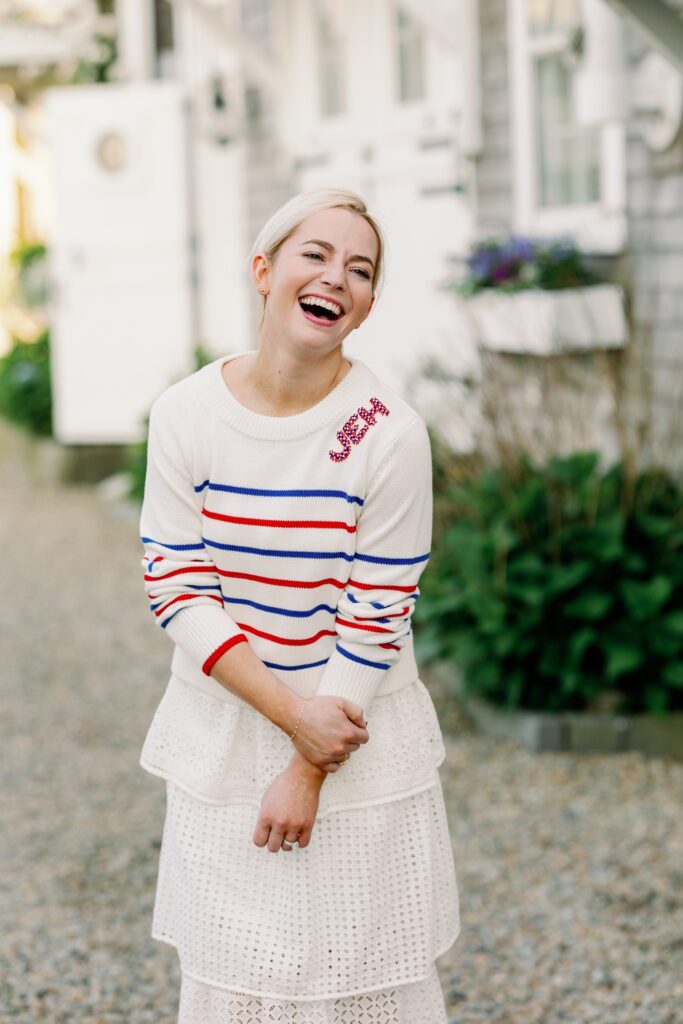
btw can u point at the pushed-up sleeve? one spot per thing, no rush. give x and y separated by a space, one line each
181 579
393 538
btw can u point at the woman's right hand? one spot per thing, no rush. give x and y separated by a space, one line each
329 728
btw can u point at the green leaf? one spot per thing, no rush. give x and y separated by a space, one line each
621 659
673 674
591 605
644 600
655 698
673 623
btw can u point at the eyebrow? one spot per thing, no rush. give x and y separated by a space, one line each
330 248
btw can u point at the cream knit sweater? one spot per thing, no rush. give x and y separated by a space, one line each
304 536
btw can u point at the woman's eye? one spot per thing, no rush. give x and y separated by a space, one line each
314 255
363 273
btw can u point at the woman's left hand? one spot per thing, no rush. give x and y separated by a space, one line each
289 806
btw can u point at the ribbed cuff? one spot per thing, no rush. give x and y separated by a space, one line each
348 674
202 631
220 651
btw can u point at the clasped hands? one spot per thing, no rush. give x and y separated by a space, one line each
330 727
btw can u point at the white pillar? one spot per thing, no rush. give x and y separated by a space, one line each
135 22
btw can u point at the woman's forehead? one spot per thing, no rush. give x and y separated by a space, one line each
339 227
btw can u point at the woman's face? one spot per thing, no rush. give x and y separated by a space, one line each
319 284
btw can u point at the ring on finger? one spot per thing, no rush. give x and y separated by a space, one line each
344 758
289 845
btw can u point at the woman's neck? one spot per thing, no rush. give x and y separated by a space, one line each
284 384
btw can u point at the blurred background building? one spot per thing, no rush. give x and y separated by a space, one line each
145 142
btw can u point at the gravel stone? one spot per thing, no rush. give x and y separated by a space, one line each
570 866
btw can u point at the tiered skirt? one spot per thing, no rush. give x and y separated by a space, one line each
344 931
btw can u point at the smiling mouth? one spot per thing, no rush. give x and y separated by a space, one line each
319 311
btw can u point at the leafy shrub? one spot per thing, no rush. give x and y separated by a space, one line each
25 389
517 262
557 587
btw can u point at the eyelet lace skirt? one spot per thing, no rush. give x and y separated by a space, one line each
344 931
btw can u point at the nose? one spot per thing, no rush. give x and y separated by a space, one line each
333 274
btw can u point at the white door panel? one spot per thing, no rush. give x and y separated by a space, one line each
121 255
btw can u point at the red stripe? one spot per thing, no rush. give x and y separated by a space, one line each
356 625
178 572
213 658
381 586
287 640
306 584
390 647
308 524
187 597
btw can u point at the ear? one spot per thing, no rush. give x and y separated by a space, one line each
260 272
372 303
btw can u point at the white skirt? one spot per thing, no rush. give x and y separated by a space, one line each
346 930
419 1003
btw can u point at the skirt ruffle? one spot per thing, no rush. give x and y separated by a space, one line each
421 1002
220 750
366 907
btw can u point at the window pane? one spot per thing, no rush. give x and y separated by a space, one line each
568 156
255 18
410 58
545 16
331 53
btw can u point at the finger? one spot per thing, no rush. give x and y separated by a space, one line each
354 712
275 839
261 832
305 836
290 837
331 767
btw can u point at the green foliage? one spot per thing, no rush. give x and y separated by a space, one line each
30 263
551 586
25 391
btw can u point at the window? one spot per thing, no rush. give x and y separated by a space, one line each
568 156
331 56
568 178
255 20
410 57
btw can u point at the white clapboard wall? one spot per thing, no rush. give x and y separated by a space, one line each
121 255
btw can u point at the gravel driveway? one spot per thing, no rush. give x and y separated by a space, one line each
570 867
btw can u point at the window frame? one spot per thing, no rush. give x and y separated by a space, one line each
598 227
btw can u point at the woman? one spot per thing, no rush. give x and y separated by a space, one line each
286 521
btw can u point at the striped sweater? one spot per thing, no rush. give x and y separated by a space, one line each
304 536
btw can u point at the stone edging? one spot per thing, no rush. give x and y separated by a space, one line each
585 732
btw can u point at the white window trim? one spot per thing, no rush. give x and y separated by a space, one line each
596 227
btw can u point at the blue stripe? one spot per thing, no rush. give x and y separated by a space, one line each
361 661
277 554
209 586
165 623
295 668
379 605
380 560
172 547
281 611
262 492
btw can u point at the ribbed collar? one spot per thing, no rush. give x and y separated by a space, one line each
332 407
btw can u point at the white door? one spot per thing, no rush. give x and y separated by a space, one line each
121 255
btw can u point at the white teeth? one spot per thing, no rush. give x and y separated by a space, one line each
310 300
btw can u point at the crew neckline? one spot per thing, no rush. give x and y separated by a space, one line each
256 424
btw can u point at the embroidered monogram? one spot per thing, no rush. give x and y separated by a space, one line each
353 433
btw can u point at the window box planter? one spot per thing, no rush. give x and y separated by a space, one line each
546 323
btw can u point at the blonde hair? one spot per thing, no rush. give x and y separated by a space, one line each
284 221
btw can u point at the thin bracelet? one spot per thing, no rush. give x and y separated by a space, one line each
299 718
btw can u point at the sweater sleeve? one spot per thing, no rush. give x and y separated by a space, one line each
373 620
181 580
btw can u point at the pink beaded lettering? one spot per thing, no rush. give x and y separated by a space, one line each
351 433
